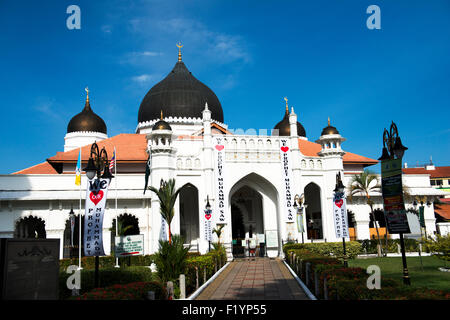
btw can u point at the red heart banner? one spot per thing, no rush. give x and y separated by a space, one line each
339 203
96 198
284 149
220 147
208 216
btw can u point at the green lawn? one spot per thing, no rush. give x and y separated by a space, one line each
392 267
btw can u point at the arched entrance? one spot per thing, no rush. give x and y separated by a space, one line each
71 245
128 225
30 227
189 212
247 220
313 211
253 204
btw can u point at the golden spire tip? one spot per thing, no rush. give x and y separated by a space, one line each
287 107
87 94
179 45
328 121
161 115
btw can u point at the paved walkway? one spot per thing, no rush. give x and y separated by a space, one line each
254 279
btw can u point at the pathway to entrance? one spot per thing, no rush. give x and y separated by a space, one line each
254 279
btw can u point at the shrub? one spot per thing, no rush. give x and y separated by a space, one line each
106 262
130 291
107 277
171 259
353 248
200 263
440 246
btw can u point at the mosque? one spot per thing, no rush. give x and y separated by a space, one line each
250 181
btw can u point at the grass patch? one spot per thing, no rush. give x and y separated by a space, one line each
391 267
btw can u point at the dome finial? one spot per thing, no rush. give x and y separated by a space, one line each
161 115
328 121
287 107
179 45
87 94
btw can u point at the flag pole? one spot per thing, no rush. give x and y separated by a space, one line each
117 220
79 224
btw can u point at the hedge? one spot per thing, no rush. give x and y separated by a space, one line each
349 283
107 277
106 262
353 248
130 291
370 246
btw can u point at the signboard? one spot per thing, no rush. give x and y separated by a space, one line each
96 192
260 238
219 168
126 246
29 269
391 187
244 243
272 238
340 215
286 174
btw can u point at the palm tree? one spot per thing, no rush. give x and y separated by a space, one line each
167 196
365 183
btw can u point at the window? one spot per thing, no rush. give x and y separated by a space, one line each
439 182
433 182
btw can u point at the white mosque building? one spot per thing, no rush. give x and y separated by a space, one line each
249 180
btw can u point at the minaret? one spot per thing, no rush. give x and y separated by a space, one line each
163 167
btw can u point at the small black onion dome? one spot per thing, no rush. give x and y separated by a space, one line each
182 95
329 129
87 120
285 128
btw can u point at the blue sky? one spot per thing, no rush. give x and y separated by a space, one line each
319 54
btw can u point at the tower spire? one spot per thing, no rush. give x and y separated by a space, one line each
179 45
287 107
87 104
328 121
161 115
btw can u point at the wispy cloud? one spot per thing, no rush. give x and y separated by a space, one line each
48 109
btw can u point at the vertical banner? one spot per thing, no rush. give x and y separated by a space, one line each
221 202
163 231
72 228
340 215
392 190
97 190
286 173
300 225
207 225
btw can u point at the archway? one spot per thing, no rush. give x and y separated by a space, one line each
71 249
313 211
189 213
247 221
30 228
253 204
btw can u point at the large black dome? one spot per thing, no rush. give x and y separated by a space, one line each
86 120
179 94
284 128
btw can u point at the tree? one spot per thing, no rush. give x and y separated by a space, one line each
364 184
167 196
218 232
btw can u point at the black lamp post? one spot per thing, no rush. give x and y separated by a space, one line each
339 191
72 228
97 164
208 211
298 206
394 149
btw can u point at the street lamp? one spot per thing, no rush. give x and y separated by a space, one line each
299 207
97 164
394 149
339 192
